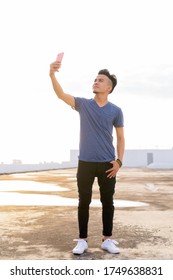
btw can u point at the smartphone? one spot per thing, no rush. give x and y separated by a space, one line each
59 57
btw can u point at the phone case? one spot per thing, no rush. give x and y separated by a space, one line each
60 57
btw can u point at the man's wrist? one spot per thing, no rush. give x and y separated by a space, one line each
52 74
119 162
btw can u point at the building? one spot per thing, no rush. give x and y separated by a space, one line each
147 158
150 158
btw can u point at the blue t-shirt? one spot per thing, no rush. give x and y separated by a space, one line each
96 128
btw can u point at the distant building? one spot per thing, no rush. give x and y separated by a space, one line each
149 158
17 161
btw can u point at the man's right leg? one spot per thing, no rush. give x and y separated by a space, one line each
85 179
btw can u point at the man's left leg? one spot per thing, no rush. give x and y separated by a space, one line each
107 190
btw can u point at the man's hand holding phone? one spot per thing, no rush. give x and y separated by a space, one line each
59 57
54 67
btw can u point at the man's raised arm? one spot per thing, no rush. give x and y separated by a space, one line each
67 98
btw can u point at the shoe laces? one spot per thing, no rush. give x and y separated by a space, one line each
113 241
79 240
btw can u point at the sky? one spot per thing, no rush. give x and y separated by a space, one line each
133 39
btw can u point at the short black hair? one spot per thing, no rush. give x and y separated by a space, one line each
112 77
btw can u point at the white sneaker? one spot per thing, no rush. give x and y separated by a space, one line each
80 247
110 246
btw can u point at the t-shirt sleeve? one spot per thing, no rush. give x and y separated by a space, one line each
78 102
119 119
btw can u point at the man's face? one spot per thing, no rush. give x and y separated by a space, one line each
102 84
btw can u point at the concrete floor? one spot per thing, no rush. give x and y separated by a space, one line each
47 231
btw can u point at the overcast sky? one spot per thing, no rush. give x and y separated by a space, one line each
133 39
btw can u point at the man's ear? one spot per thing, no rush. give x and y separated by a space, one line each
110 89
109 86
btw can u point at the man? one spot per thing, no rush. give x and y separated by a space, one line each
97 158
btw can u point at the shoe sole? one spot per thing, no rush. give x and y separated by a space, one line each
118 252
78 254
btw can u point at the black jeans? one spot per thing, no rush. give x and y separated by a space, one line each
86 173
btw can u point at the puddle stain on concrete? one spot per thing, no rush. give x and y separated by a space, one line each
9 195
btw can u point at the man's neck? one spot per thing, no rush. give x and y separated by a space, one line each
101 100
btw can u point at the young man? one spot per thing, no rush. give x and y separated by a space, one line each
97 158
